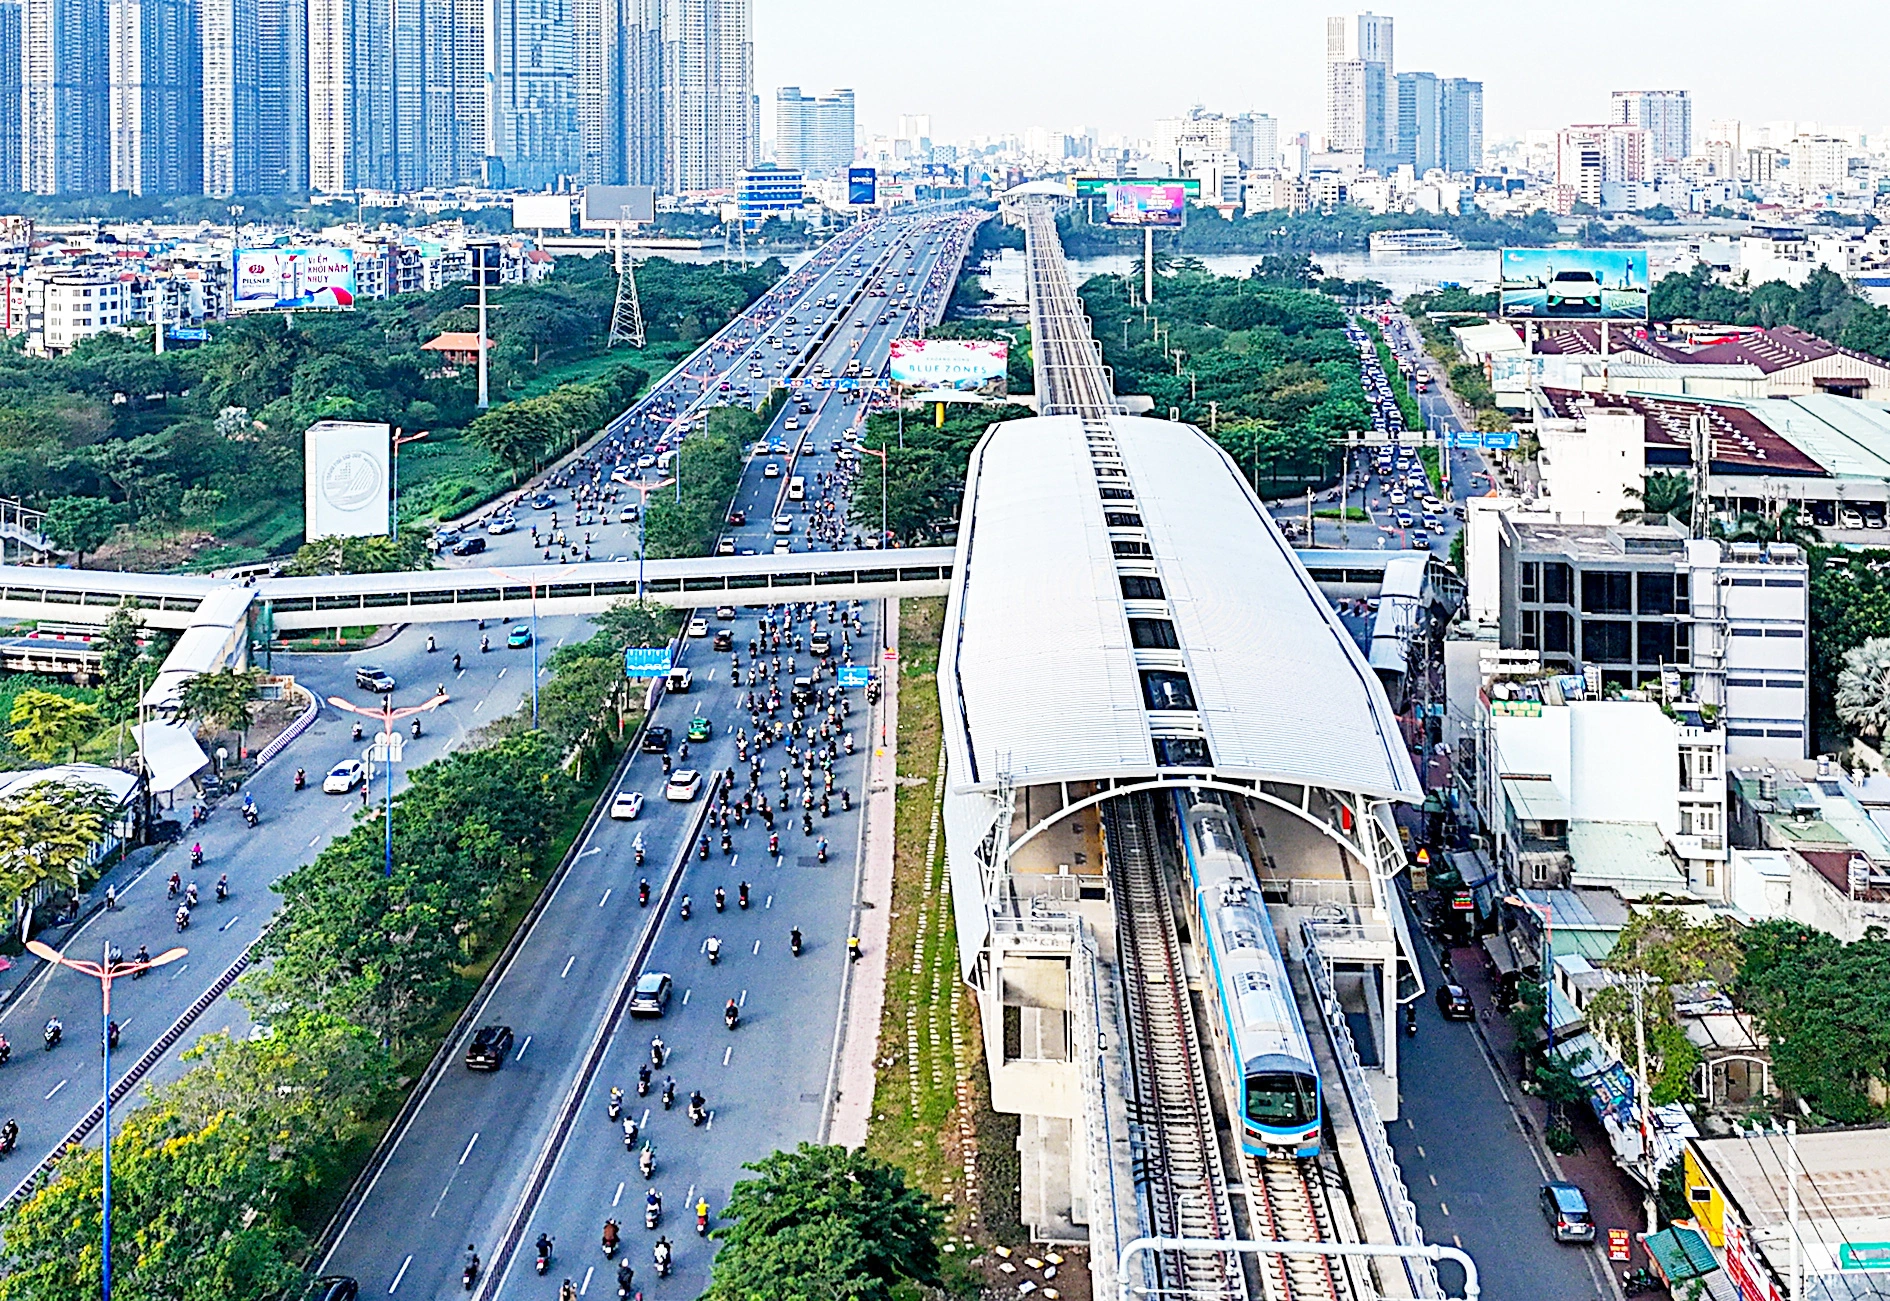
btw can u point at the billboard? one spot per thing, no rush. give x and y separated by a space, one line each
862 186
275 279
612 203
977 366
344 493
1096 187
1574 284
541 212
1135 203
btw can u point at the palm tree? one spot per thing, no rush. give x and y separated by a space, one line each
1788 525
1664 492
1863 687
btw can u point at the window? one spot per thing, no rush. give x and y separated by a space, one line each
1653 642
1137 587
1655 593
1531 581
1117 494
1606 592
1122 519
1558 633
1531 637
1281 1099
1182 752
1558 581
1605 640
1124 550
1166 690
1153 634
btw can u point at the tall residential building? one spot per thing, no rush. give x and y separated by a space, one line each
448 123
532 100
711 118
813 133
1460 128
1588 157
156 97
1361 95
350 89
1666 114
1420 114
231 132
10 103
1264 147
281 96
619 51
66 97
1182 141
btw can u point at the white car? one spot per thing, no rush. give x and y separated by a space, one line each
771 471
698 627
503 524
783 524
782 546
344 777
684 785
627 806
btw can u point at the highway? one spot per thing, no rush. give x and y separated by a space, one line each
493 1160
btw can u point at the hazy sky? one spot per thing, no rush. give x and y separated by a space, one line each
981 67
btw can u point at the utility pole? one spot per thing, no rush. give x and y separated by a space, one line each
1702 469
1148 264
1645 1097
480 272
1791 1195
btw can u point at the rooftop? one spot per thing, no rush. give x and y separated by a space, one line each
1600 541
1744 441
1630 857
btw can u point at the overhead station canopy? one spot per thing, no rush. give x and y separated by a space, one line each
1040 674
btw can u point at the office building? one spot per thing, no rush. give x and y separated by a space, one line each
156 97
10 103
531 105
1588 157
1420 114
770 191
1460 126
281 96
1183 142
1667 116
1361 95
66 97
230 131
710 117
813 133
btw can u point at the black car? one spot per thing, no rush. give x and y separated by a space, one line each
724 639
332 1287
1453 1003
490 1044
821 642
802 691
651 995
656 740
469 546
369 678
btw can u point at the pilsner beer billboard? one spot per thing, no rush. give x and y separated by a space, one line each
278 279
974 366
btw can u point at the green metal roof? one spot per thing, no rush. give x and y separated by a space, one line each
1681 1253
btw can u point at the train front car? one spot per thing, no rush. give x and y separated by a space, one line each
1279 1085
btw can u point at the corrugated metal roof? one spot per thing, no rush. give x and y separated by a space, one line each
1039 676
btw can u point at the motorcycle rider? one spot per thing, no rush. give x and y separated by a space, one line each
544 1250
662 1253
713 947
610 1237
794 941
731 1013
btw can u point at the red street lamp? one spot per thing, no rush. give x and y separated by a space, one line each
387 714
105 971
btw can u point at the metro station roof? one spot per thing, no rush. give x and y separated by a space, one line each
1038 674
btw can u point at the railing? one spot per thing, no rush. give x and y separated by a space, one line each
1098 1142
1384 1162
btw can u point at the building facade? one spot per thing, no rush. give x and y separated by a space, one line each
66 97
1667 116
1588 157
619 65
281 96
156 97
710 119
1361 92
1460 125
531 105
813 133
231 46
11 104
1420 121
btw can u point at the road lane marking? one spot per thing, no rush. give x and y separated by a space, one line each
587 1280
521 1049
606 898
709 1123
619 1196
1446 1207
501 674
226 925
685 998
742 1002
479 706
567 966
598 849
757 946
727 1053
55 1088
769 903
469 1147
644 1123
182 967
1420 1151
1433 1181
314 842
402 1274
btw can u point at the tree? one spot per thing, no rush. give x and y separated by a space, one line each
822 1223
1863 688
225 698
47 834
1787 525
122 662
81 524
1663 492
47 726
1824 1007
200 504
636 623
373 555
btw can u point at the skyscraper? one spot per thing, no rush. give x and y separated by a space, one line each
813 133
531 100
619 53
350 95
10 102
449 118
281 96
1460 129
156 97
1361 96
1667 115
1420 121
66 92
230 128
710 113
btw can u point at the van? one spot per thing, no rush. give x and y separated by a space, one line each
797 489
679 679
1566 1210
663 461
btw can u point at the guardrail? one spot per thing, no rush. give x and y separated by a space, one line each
293 730
1384 1162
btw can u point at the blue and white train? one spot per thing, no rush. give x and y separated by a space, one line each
1280 1102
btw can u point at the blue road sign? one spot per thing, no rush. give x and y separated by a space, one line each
1504 441
645 661
855 675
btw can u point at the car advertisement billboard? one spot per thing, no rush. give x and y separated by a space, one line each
1096 187
862 186
977 366
345 492
1140 204
276 279
1574 284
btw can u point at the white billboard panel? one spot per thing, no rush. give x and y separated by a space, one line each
274 279
345 491
541 212
980 366
613 203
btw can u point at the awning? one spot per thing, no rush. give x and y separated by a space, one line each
171 754
1681 1254
1500 956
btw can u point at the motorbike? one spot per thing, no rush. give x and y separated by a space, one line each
731 1014
714 949
190 895
616 1104
251 816
741 895
469 1274
543 1260
794 941
643 1081
658 1051
721 898
223 888
646 1161
9 1138
357 731
1638 1282
626 1278
485 644
53 1033
629 1134
6 1050
669 1093
697 1112
702 1219
111 1035
416 729
661 1253
643 889
653 1210
301 779
611 1238
702 850
183 918
820 851
1410 1018
685 908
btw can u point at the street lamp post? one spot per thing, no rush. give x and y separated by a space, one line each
387 714
393 518
105 971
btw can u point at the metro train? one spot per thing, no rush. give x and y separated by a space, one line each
1280 1100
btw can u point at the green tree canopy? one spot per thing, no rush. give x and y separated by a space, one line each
226 698
81 525
48 727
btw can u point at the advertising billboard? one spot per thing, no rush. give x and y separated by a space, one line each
345 490
1574 284
1135 203
1096 187
541 212
862 186
606 204
277 279
978 366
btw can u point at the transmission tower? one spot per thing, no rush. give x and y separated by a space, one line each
626 318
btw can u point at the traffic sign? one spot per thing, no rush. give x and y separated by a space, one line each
892 654
1620 1245
386 747
645 661
855 675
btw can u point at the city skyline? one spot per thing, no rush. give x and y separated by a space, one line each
1269 60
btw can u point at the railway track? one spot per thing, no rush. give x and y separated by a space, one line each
1288 1200
1183 1185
